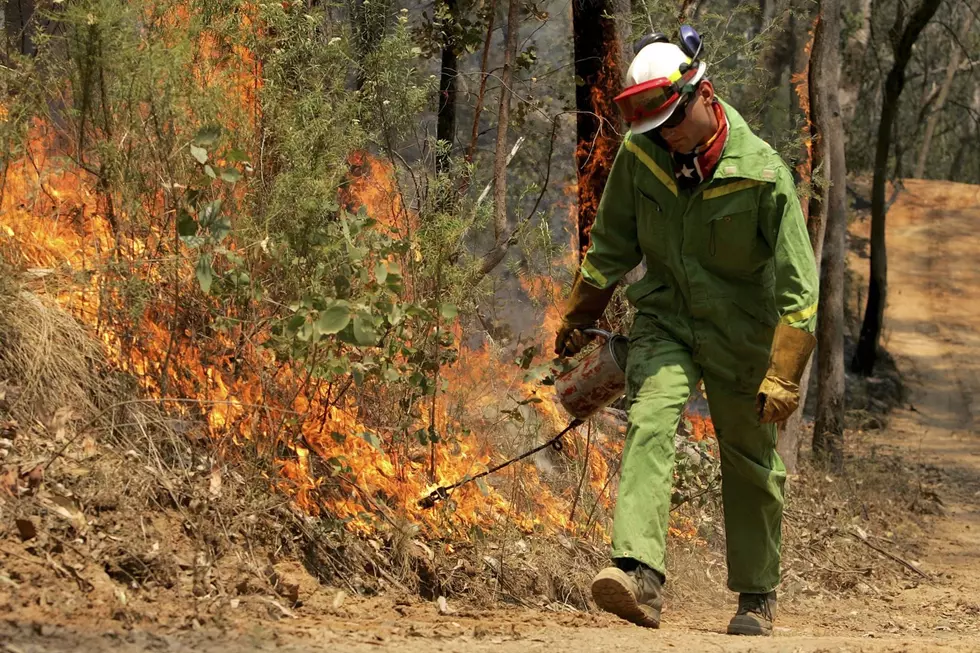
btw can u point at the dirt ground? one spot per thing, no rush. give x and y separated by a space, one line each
932 332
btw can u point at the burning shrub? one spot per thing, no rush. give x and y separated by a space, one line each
203 198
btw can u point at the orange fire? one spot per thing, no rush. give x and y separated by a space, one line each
595 157
331 456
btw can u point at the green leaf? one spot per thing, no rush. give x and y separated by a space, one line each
208 135
209 213
364 330
236 155
220 228
371 438
186 225
305 332
209 171
448 311
395 314
334 318
231 175
527 356
199 154
295 322
381 272
204 273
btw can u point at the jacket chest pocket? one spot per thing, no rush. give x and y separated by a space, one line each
729 238
653 227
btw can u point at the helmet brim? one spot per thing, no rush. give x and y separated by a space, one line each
654 121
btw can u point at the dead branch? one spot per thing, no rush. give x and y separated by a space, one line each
861 537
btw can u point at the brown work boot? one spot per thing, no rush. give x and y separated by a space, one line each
633 592
755 615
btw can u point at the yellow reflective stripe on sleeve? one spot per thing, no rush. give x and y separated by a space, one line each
592 273
657 171
799 316
728 189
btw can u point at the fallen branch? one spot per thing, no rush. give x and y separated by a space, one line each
862 537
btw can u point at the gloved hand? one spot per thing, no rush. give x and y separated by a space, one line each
779 393
584 306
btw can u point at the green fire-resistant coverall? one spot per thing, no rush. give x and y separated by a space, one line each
725 263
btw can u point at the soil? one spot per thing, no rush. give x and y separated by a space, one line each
932 315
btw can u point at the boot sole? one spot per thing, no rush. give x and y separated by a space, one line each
748 626
612 592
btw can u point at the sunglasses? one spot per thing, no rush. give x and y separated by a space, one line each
680 113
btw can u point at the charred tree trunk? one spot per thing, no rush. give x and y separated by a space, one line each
791 432
599 43
814 107
933 119
867 349
828 430
449 70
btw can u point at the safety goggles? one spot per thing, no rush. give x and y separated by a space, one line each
680 112
646 100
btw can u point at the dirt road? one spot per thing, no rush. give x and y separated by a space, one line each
932 331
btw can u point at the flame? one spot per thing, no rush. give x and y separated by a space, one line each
801 85
329 456
594 157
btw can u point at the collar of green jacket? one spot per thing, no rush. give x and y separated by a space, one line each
746 156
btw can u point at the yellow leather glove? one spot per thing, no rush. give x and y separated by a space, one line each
585 305
779 394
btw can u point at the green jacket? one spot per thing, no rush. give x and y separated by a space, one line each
725 262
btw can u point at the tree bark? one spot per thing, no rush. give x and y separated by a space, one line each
933 119
828 430
867 349
449 70
500 230
599 63
18 22
816 113
852 70
474 136
791 432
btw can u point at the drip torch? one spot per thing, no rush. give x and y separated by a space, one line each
598 380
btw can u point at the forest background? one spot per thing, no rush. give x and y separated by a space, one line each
318 251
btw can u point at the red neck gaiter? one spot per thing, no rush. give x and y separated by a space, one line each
693 168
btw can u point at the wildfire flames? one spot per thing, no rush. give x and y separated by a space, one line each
55 225
50 225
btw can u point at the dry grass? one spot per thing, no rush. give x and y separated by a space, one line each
139 517
53 361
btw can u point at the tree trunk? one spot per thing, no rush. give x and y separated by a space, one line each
599 63
828 430
791 432
933 119
503 120
18 22
446 119
852 70
867 349
815 112
474 136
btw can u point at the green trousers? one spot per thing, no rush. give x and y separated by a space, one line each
661 375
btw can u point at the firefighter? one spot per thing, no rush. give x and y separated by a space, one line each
729 297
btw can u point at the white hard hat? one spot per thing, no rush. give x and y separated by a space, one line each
657 79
